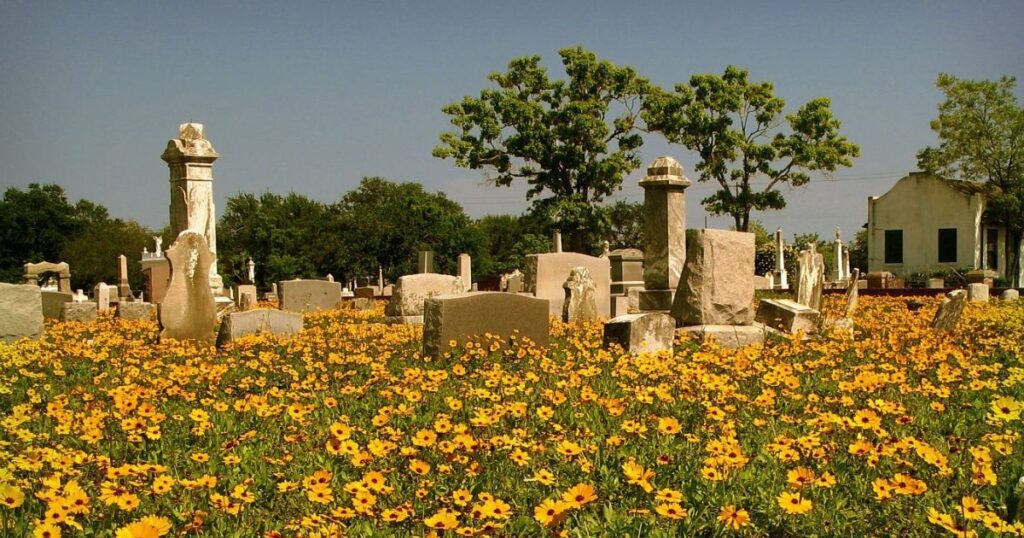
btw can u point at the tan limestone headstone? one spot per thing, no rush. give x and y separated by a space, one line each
406 304
188 311
580 300
462 317
949 312
810 277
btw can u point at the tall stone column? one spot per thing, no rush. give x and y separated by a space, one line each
780 260
190 159
840 276
665 229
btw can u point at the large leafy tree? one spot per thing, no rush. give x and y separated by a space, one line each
571 140
981 138
736 128
93 252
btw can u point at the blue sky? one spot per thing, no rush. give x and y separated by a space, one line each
311 97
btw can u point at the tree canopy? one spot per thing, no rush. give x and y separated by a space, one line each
981 138
571 140
734 125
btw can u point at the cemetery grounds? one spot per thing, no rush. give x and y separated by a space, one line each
346 431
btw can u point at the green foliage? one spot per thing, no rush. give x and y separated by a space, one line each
554 134
387 224
733 125
626 224
859 252
505 241
981 138
93 252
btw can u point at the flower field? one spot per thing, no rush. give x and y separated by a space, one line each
347 431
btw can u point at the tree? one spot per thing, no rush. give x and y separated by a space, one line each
981 138
554 134
93 252
386 224
734 126
626 224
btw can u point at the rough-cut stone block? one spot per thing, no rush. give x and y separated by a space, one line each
412 290
977 292
245 296
1009 295
308 295
545 274
467 316
730 336
717 284
136 311
948 313
787 316
647 332
278 323
82 312
21 312
53 302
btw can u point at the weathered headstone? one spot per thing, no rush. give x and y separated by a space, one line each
365 292
810 278
80 312
545 274
730 336
308 295
852 294
188 311
101 294
762 282
21 311
406 304
462 317
465 264
53 302
275 322
1009 295
136 311
645 332
515 282
936 283
426 262
717 284
665 232
580 302
245 296
949 312
977 292
787 316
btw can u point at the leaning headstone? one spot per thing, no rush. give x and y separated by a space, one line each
949 311
308 295
787 316
810 277
458 318
645 332
81 312
580 303
977 292
852 294
53 302
21 311
1009 295
545 274
406 304
188 311
274 322
717 284
245 296
136 311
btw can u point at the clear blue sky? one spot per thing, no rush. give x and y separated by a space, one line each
310 97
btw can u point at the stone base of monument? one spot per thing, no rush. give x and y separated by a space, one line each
82 312
977 292
655 300
646 332
730 336
136 311
278 323
787 316
406 320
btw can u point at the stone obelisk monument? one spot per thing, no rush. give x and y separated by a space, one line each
190 159
665 229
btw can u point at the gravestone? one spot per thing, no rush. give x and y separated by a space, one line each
1009 296
546 273
465 265
80 312
188 311
852 294
717 283
949 312
156 276
664 232
101 293
53 302
556 241
787 316
627 266
982 276
977 292
136 311
308 295
123 288
645 332
810 277
278 323
763 282
245 296
406 304
515 282
936 283
21 311
459 318
365 292
881 280
580 303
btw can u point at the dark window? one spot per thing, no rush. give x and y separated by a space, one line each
894 246
992 248
947 245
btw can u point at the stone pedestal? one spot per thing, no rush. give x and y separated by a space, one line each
982 276
977 292
646 332
665 232
787 316
936 283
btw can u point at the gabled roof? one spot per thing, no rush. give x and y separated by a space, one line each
966 187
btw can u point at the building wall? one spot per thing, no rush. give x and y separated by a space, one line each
921 204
